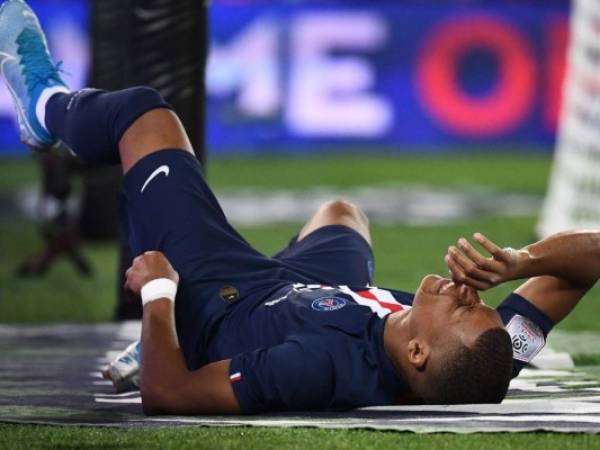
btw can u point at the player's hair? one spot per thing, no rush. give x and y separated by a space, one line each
480 374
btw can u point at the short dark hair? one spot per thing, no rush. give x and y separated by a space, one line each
480 374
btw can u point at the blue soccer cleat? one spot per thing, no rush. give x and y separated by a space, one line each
30 74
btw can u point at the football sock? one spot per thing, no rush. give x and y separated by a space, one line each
47 94
92 122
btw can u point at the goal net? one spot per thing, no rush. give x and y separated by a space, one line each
573 198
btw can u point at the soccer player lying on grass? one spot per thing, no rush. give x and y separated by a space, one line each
229 330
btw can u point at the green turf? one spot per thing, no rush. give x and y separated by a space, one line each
404 254
502 171
34 437
410 252
60 296
496 170
17 172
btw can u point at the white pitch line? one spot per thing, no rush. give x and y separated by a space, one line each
103 383
579 383
536 373
122 395
132 401
586 418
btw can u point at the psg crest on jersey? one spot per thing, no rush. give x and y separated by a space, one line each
328 304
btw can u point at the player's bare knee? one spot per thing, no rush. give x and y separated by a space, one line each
342 209
342 212
338 212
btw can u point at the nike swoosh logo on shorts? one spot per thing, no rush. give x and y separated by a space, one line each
162 169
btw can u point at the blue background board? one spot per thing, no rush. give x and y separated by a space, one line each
392 62
311 76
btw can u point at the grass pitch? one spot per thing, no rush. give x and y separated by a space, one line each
34 437
403 253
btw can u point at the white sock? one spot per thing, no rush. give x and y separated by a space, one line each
40 107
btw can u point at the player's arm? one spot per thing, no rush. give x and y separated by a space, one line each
560 268
166 384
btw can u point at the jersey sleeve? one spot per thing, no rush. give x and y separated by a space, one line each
295 375
528 328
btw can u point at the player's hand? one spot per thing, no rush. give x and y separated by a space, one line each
470 267
148 267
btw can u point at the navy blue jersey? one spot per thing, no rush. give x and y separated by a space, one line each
321 348
292 346
310 348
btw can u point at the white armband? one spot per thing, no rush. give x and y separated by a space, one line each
157 289
527 338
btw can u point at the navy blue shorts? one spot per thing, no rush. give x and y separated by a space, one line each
167 206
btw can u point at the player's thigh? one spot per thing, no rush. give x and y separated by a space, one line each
332 255
168 207
338 212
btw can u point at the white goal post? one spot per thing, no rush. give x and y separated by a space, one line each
573 197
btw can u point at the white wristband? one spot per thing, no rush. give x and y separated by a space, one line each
157 289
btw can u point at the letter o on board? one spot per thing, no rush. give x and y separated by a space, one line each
500 110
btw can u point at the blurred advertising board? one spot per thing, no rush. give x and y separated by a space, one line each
313 75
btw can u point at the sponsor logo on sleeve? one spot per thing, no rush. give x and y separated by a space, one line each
329 303
527 338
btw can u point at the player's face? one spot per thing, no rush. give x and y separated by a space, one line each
441 307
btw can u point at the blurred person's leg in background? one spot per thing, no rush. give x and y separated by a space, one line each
58 214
